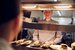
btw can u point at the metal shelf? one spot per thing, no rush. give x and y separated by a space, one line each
52 27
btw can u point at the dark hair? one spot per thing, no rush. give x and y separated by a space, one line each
26 13
9 9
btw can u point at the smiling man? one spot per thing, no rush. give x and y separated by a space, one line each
52 37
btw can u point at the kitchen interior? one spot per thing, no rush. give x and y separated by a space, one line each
63 13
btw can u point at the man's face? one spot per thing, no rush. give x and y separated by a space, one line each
47 13
17 27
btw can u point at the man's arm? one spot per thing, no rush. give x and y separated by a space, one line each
58 37
35 35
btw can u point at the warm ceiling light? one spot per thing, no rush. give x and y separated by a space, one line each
55 0
44 8
64 6
26 7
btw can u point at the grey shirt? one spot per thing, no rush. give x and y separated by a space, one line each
48 22
4 45
45 35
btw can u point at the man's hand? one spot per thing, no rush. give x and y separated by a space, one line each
51 42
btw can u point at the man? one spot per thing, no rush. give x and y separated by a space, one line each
10 22
52 37
47 14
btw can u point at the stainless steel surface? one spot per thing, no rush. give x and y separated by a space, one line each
38 1
52 27
49 6
64 14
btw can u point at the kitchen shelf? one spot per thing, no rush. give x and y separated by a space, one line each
52 27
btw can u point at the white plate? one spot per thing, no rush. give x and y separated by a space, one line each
58 47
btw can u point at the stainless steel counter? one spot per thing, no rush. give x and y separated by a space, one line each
48 26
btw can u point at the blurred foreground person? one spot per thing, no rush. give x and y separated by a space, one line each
10 22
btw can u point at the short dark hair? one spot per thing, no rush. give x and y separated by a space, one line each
9 9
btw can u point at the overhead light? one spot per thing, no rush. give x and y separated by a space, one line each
26 7
59 13
43 8
63 6
55 0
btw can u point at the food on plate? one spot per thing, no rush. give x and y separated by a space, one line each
25 43
19 41
55 47
64 47
36 44
46 45
73 46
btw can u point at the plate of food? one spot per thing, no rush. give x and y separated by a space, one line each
45 45
60 47
36 44
25 43
18 42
